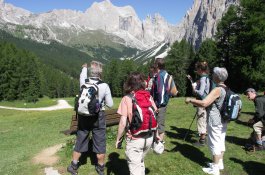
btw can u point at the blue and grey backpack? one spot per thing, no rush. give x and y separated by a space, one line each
231 106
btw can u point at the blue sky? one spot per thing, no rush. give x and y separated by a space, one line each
172 10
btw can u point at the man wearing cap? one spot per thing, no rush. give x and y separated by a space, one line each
96 125
259 117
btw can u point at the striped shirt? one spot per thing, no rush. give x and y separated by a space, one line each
163 84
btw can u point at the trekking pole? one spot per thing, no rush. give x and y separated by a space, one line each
190 126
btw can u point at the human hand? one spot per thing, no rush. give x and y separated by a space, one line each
187 100
118 144
84 65
189 77
194 85
158 138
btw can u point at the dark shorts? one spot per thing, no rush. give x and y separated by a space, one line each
96 125
161 119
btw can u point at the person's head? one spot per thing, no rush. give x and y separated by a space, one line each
159 63
135 82
251 93
152 70
95 69
202 67
219 74
95 72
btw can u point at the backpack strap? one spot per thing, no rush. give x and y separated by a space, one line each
131 96
99 82
207 77
225 88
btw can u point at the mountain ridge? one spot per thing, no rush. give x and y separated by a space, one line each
122 23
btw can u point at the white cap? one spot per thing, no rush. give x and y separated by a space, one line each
158 147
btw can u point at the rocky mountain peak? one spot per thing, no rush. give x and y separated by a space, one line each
102 6
199 23
202 19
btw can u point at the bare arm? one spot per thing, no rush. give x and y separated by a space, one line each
209 99
108 98
121 129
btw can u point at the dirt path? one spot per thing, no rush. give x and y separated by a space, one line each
47 157
62 104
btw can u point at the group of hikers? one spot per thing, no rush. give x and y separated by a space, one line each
143 112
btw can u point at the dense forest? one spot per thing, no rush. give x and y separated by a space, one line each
55 54
24 77
52 70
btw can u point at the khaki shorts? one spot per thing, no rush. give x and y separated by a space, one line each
258 127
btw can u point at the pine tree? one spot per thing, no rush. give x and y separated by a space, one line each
208 52
241 43
178 63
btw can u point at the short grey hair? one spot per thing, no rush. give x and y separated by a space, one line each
220 73
95 72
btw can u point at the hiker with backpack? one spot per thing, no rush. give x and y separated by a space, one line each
150 78
216 126
259 117
137 110
201 89
163 88
94 95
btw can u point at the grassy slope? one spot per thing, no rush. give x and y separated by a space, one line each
43 102
24 134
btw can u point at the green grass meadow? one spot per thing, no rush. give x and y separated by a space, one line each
24 134
43 102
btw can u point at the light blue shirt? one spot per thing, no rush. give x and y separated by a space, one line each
203 88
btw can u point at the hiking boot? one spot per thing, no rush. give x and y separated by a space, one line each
100 169
213 169
201 142
72 169
258 147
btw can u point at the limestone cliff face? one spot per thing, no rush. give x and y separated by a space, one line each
199 23
201 20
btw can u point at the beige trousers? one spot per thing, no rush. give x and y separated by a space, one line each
135 153
201 120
